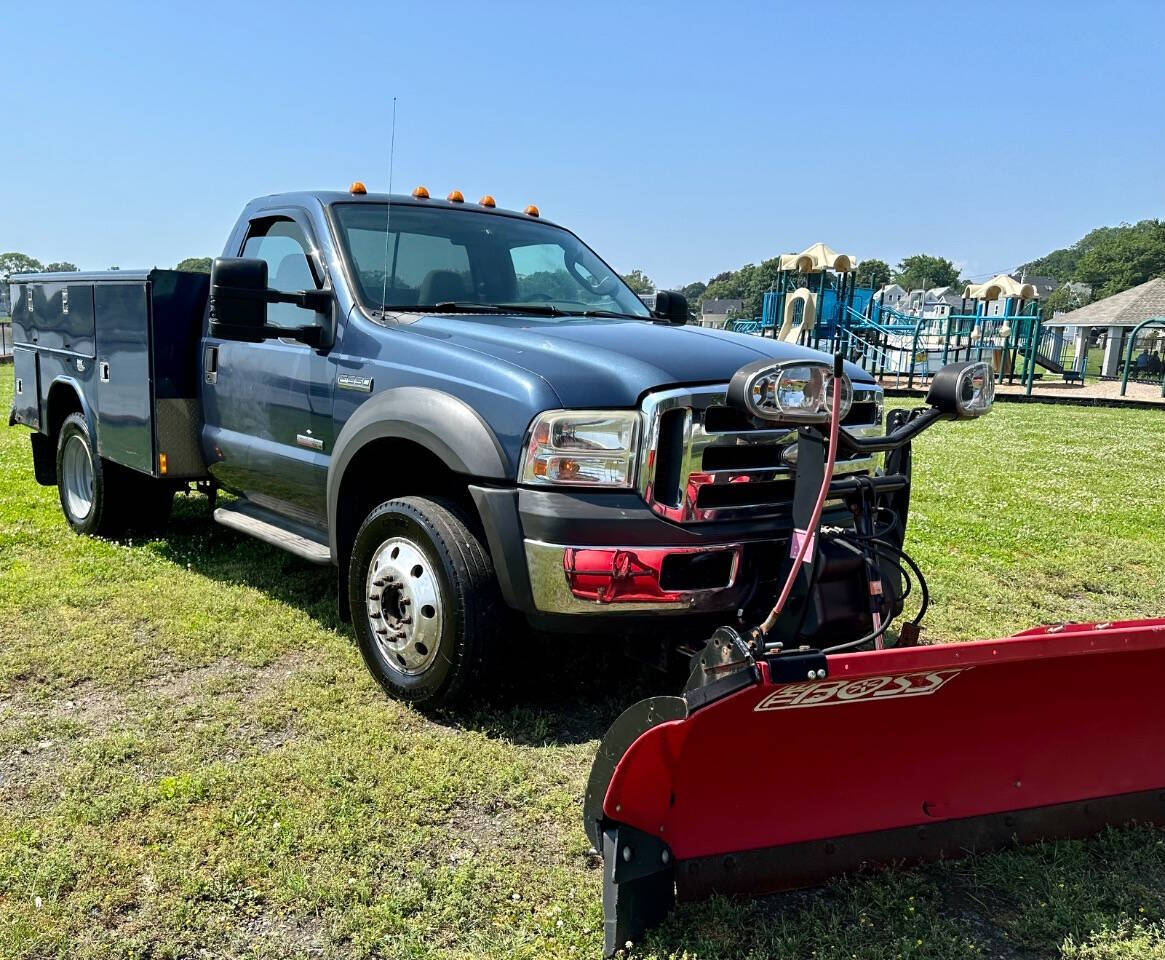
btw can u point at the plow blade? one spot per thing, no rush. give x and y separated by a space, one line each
895 755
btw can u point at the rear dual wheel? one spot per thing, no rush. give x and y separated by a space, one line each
100 498
424 599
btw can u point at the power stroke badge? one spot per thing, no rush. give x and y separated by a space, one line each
825 693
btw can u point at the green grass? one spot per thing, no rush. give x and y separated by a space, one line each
194 762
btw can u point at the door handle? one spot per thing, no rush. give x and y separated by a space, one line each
103 371
210 365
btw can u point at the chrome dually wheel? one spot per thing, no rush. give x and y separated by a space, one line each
423 599
404 606
77 478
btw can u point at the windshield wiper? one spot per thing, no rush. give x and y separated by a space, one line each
539 309
613 313
462 306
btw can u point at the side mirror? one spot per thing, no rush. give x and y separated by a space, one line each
238 299
238 304
963 390
671 306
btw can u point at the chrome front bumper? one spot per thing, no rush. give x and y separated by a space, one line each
558 587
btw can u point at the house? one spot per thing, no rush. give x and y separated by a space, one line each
937 303
716 313
890 296
1043 285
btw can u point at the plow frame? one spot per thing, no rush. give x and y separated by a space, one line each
657 847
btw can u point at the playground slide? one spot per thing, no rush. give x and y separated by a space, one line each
1045 362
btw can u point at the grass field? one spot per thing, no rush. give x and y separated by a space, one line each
194 762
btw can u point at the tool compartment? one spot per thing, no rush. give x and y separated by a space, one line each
126 342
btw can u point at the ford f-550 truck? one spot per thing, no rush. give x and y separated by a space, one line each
462 408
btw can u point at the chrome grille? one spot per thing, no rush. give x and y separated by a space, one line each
703 460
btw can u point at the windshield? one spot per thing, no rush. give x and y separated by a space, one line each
437 256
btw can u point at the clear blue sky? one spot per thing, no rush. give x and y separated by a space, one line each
685 139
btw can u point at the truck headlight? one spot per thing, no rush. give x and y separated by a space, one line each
584 448
794 392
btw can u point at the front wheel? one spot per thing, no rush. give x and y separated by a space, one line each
424 599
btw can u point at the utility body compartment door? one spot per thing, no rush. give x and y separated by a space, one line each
26 398
125 432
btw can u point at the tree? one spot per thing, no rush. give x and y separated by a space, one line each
60 266
749 284
1109 259
923 271
1062 298
873 273
11 263
639 282
195 265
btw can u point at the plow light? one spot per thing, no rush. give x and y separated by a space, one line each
790 392
963 390
585 448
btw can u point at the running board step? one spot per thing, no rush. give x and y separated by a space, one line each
278 531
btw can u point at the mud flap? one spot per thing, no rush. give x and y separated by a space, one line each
894 755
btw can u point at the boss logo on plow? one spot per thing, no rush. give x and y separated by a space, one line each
828 692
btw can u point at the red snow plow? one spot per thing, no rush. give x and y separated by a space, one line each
763 775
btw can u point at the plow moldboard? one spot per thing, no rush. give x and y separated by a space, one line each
905 754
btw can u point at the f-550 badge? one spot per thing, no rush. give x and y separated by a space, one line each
825 693
347 381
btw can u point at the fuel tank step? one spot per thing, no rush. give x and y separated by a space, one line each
279 531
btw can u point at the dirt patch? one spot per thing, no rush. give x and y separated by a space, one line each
44 735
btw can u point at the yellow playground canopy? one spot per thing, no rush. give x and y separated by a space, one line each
816 258
1001 287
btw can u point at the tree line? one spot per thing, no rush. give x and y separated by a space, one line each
752 281
1107 259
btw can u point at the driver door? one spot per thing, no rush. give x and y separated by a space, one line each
269 405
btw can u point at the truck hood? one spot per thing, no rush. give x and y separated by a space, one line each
590 361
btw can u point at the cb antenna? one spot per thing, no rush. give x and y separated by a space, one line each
388 211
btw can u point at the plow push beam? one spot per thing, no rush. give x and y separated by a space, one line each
754 782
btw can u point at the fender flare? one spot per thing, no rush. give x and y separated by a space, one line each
444 425
86 410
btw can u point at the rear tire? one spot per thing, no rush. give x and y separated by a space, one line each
424 600
104 499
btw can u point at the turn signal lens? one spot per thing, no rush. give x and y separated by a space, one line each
487 201
593 448
531 211
455 196
421 193
357 188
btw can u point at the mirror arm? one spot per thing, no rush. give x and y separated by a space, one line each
317 300
920 419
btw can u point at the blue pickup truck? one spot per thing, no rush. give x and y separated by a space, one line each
461 408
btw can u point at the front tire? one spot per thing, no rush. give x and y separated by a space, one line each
424 599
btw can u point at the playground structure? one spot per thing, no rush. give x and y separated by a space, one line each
1148 369
815 300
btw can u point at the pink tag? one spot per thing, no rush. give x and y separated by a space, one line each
795 545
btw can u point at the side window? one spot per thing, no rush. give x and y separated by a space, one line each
282 243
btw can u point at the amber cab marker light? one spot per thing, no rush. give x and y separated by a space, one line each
531 211
455 196
487 201
358 188
162 465
420 193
